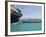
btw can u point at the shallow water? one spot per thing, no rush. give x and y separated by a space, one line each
25 27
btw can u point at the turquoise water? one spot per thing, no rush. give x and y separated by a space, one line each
25 27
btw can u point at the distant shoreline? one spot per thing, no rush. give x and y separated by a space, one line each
31 22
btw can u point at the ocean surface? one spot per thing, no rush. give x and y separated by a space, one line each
19 27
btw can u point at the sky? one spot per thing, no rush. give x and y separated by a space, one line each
30 11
